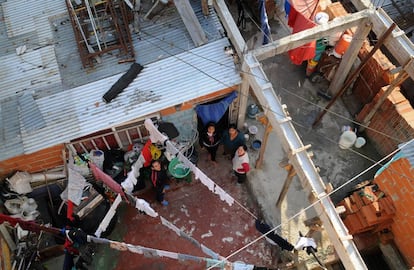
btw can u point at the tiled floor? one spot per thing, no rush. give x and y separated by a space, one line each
200 214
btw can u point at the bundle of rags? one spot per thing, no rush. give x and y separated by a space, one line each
122 82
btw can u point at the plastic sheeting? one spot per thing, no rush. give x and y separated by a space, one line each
214 112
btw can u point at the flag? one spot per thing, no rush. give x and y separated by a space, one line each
264 22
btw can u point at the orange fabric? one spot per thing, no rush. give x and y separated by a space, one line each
300 22
146 153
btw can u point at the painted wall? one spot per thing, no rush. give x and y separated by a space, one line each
397 182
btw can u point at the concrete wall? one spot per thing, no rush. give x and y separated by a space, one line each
397 182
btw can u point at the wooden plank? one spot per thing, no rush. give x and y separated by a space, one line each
296 40
191 22
399 46
232 30
7 237
286 184
350 56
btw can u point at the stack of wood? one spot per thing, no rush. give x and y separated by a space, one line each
367 209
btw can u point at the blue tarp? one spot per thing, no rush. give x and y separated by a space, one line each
214 112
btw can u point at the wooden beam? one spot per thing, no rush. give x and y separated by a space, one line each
232 30
350 56
268 128
355 73
191 22
243 97
286 184
296 40
204 7
400 46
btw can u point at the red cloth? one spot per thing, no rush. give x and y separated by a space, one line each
107 180
146 153
299 22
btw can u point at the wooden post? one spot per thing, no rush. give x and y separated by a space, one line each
288 180
351 78
268 128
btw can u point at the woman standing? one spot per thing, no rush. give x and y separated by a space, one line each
211 140
232 139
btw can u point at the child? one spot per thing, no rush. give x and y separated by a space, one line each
241 164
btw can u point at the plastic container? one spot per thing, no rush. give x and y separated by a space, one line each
256 144
177 169
347 139
359 142
97 157
342 45
310 68
320 48
321 18
252 110
253 130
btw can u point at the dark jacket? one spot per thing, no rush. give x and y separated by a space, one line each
210 141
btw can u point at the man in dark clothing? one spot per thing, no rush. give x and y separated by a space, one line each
159 179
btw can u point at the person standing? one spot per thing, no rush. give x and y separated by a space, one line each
210 139
159 179
232 139
241 164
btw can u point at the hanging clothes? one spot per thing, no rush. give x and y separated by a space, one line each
264 22
275 238
107 180
301 18
214 112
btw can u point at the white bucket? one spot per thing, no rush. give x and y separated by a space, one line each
97 157
359 142
347 139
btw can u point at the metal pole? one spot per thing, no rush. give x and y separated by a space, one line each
350 79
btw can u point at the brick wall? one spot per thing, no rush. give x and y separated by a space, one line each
374 75
396 181
39 161
392 124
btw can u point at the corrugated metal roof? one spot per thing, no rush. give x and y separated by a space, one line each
63 101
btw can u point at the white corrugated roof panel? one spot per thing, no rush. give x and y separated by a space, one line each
80 111
41 70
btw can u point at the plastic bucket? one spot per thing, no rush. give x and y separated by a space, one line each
342 45
310 68
256 144
359 142
321 18
178 169
347 139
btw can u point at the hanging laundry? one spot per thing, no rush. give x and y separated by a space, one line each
144 206
129 182
273 238
108 217
264 22
107 180
74 188
300 21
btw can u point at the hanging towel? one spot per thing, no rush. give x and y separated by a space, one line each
264 22
214 112
107 180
